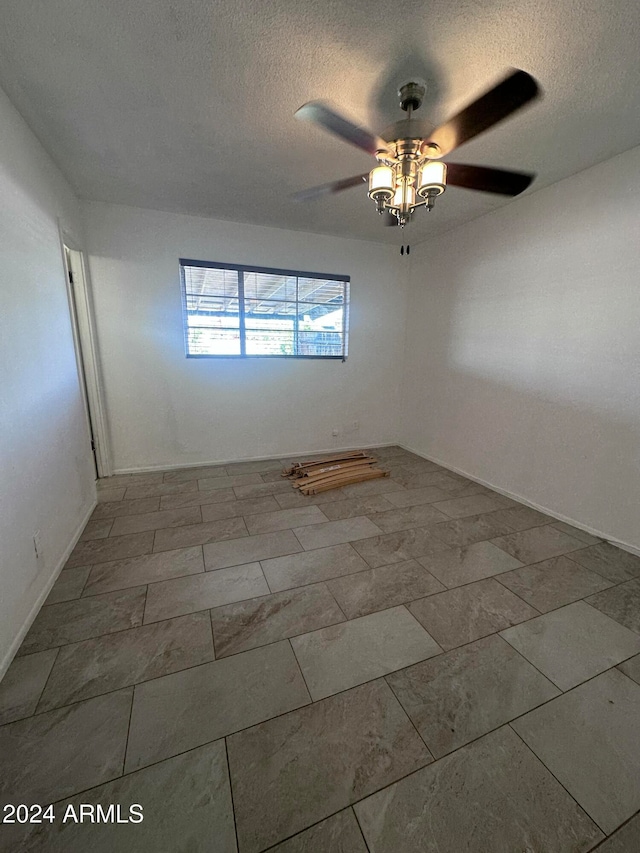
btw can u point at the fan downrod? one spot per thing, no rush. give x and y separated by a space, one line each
411 95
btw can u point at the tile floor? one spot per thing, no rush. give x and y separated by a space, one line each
409 664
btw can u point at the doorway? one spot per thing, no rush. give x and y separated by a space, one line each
84 342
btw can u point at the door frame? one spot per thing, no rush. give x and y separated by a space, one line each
85 343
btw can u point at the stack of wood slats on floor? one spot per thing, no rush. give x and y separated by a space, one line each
320 475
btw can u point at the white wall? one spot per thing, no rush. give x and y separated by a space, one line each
45 460
523 368
166 410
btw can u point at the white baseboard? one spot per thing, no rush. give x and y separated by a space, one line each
625 546
11 653
300 453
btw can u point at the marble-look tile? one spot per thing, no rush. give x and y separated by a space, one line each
469 612
416 497
208 484
57 754
181 475
114 509
553 582
335 532
457 566
197 499
386 451
381 486
156 520
573 643
341 656
96 528
631 668
387 586
69 585
259 621
121 574
492 795
72 621
537 544
110 495
159 489
186 802
404 518
590 740
189 708
467 692
22 685
351 507
229 509
398 547
447 480
103 664
299 768
261 489
293 498
284 519
255 466
624 840
467 531
237 552
199 534
522 518
203 591
337 834
612 563
113 548
312 566
582 535
471 505
621 603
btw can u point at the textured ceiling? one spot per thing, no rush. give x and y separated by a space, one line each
188 106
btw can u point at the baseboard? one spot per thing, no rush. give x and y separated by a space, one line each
625 546
151 468
11 653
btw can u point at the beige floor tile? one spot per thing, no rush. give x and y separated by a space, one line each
261 489
415 497
406 518
467 531
97 528
351 507
312 566
156 520
159 489
198 534
69 585
463 507
612 563
149 568
114 509
203 591
582 535
229 509
22 685
399 547
339 833
237 552
208 484
181 475
341 656
537 544
110 495
197 499
335 532
189 708
284 519
553 582
457 566
621 603
113 548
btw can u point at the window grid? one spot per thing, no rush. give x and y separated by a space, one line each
213 297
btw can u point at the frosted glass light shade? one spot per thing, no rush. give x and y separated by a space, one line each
432 177
405 197
381 183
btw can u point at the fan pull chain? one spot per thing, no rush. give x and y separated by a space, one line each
402 249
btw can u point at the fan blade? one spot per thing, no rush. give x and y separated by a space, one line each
487 180
498 103
320 113
334 187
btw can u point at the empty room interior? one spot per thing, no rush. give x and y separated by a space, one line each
320 426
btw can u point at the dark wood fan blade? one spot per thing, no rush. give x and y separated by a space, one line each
488 180
333 187
320 113
498 103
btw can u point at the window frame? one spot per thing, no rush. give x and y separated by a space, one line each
246 268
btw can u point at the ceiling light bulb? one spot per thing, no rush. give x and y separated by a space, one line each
381 183
405 196
432 178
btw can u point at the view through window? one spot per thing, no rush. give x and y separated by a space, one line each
232 310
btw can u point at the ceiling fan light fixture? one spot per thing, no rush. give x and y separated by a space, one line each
381 183
405 197
432 178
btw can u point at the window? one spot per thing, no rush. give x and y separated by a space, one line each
232 310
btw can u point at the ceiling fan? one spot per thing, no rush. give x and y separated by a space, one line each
410 173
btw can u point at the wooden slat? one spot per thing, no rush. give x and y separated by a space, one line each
326 460
332 469
345 481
